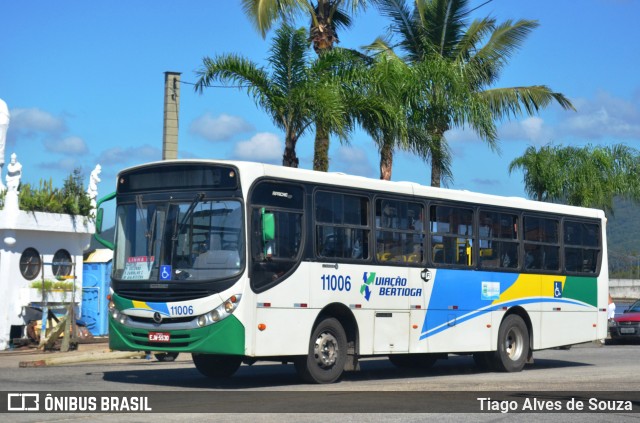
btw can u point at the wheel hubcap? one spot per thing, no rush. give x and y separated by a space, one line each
513 344
325 350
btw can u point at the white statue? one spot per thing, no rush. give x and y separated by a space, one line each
14 173
4 126
92 191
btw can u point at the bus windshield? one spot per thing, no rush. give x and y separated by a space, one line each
194 239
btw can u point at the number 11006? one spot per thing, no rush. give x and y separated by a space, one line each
336 283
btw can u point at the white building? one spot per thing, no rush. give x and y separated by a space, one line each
34 247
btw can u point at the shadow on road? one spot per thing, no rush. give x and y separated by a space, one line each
268 375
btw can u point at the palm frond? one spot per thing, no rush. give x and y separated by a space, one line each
264 13
506 103
505 40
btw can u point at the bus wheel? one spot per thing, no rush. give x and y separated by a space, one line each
166 356
327 354
413 361
513 344
217 366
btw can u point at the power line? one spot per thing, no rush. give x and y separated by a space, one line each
216 86
478 7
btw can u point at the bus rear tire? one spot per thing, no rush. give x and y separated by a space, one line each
217 366
327 354
513 345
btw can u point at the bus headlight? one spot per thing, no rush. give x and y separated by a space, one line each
202 320
116 315
221 312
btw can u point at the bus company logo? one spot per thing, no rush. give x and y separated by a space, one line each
23 402
365 289
387 286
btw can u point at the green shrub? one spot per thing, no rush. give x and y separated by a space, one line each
71 199
50 285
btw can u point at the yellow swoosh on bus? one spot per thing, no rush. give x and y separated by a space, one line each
527 286
141 304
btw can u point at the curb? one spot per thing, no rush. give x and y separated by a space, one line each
80 358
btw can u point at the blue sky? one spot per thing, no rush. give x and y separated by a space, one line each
84 85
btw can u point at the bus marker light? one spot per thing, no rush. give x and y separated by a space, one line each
505 308
595 325
415 326
416 307
453 307
264 305
488 325
261 327
557 309
300 305
355 305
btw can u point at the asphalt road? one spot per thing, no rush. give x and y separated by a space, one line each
378 392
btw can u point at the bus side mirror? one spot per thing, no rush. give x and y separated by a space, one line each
99 216
268 226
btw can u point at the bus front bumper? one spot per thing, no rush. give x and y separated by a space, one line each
224 337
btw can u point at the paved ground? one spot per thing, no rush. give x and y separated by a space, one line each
31 356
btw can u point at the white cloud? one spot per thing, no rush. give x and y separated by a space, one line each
66 164
605 116
122 157
28 123
219 128
533 129
352 160
70 145
263 147
37 120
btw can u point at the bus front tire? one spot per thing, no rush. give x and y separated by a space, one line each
513 345
217 366
327 354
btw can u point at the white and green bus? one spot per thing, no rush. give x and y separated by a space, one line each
238 262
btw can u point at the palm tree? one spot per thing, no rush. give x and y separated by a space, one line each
376 92
292 93
580 176
436 30
544 174
327 16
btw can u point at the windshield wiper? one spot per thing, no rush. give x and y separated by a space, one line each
187 215
151 226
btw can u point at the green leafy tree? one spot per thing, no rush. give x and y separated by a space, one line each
436 31
75 198
581 176
373 91
292 94
327 16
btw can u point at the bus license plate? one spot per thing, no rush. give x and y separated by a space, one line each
627 330
159 337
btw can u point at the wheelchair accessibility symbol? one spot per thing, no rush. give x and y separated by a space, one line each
165 273
557 289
